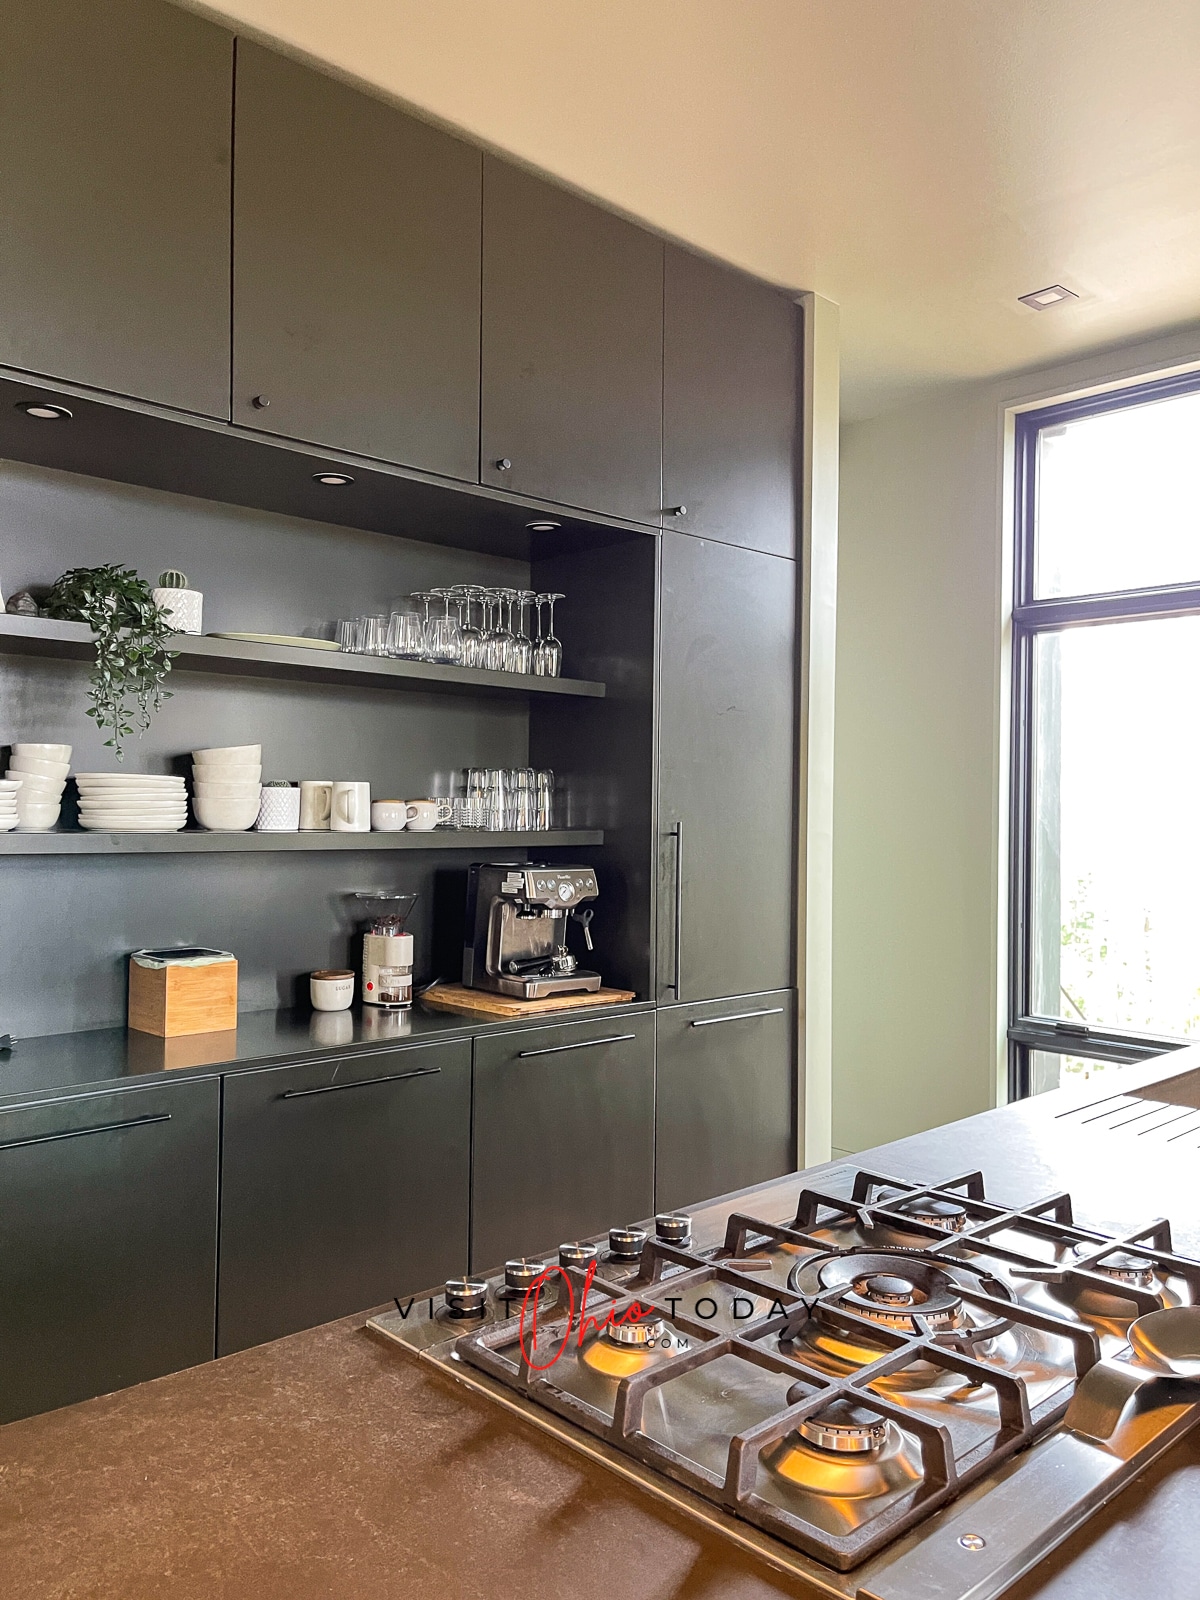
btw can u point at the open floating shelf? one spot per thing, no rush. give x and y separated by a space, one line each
72 641
72 843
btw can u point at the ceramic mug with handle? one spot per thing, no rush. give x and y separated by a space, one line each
350 811
424 815
316 796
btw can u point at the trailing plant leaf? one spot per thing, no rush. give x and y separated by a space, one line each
130 631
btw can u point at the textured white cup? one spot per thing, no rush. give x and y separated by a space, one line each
350 809
316 797
331 990
389 816
279 811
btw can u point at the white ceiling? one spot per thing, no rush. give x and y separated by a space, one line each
921 162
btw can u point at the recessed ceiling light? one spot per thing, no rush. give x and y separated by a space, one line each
543 527
333 480
44 411
1043 299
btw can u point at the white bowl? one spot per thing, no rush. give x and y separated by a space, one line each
235 772
42 769
222 755
43 752
48 788
226 816
219 790
37 819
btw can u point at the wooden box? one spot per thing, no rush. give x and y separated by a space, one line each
174 992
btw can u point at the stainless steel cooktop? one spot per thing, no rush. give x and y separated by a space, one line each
894 1391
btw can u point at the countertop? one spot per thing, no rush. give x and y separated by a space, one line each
327 1466
110 1058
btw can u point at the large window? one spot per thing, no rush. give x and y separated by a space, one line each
1105 964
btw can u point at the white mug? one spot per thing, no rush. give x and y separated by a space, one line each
350 811
316 797
389 816
424 815
331 990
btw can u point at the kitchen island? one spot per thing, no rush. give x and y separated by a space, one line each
328 1464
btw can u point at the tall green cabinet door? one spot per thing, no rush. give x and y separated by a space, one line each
356 271
114 198
571 409
730 375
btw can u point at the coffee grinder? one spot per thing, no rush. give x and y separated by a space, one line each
387 951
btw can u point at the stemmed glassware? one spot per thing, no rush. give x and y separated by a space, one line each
444 638
472 637
547 656
502 639
522 654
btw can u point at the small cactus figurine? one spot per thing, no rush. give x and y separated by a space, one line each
182 605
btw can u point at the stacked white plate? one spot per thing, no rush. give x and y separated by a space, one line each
227 787
131 802
8 803
41 770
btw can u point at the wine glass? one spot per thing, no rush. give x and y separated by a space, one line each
523 644
424 597
500 645
548 655
472 637
445 635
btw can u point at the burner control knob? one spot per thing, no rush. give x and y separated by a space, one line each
577 1255
522 1274
465 1297
673 1228
625 1244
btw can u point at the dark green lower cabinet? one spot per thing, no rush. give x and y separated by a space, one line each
344 1182
725 1116
564 1135
108 1235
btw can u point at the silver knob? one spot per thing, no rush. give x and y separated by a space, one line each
465 1297
260 402
503 464
677 511
577 1255
625 1244
522 1274
673 1228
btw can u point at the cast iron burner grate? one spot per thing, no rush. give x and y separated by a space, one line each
959 1249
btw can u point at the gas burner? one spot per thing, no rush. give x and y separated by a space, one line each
947 1215
1128 1268
845 1429
638 1333
897 1290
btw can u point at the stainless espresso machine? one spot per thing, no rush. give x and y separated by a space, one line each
516 930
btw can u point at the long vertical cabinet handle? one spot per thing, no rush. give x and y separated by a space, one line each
677 831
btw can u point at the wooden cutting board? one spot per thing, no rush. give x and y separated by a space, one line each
454 997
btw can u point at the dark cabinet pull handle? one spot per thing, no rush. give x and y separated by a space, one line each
360 1083
582 1044
677 835
736 1016
79 1133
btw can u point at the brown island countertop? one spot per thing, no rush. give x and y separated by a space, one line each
327 1466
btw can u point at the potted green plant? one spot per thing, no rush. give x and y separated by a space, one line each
130 631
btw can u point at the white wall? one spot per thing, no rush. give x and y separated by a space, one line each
920 788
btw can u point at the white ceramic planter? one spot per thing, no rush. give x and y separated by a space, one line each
184 608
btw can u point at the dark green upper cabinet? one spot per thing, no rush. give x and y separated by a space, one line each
356 272
729 405
114 198
572 350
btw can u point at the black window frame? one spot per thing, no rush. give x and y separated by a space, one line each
1031 617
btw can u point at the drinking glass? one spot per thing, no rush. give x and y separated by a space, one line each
523 800
344 633
472 637
372 635
445 636
523 644
423 597
496 809
406 635
548 655
544 801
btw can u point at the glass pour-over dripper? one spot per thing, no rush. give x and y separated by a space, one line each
387 912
